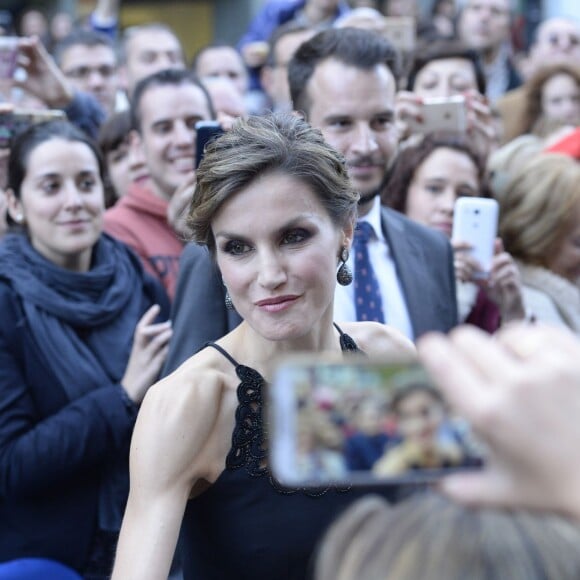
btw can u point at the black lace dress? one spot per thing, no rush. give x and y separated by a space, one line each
246 525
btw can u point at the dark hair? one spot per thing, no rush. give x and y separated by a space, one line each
400 175
291 27
133 31
84 37
24 143
404 391
211 46
355 47
260 145
113 133
442 50
164 78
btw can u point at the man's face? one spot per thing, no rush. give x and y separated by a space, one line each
485 24
275 77
223 61
149 51
92 69
558 41
168 115
354 109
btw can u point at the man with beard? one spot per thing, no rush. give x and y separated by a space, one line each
342 81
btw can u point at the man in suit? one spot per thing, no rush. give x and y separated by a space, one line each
342 81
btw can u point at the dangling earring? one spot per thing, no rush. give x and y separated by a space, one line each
228 301
344 275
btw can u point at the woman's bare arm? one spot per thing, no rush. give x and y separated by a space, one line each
181 437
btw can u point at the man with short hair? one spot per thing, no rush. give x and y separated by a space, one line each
221 60
147 49
88 61
556 40
165 108
342 81
274 75
484 25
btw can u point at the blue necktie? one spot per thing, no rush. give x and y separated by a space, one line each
368 302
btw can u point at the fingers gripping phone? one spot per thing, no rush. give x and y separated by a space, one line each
475 222
206 131
441 114
363 422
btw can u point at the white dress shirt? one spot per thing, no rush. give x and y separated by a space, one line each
394 306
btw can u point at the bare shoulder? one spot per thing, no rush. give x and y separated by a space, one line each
378 340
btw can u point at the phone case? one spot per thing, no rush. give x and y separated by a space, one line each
316 403
475 221
205 132
442 114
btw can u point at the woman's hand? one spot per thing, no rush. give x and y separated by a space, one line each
504 286
466 266
481 125
150 346
408 106
520 390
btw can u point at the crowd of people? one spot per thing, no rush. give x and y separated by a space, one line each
145 295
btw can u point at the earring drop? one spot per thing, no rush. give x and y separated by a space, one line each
344 275
228 301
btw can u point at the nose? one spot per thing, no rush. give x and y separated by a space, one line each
272 273
182 135
72 196
446 200
95 79
365 141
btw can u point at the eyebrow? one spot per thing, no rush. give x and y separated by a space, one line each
294 222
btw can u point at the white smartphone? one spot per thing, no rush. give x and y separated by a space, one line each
442 114
362 422
475 222
400 31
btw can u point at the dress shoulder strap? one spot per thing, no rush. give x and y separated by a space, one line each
224 352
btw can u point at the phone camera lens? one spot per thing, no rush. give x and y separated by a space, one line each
476 212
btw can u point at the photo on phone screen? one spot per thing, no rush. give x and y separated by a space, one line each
475 221
18 120
363 422
205 132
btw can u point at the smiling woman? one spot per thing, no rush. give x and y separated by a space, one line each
78 350
275 206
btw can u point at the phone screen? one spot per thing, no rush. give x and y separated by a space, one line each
18 120
206 131
363 422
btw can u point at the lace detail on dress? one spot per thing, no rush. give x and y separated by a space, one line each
250 436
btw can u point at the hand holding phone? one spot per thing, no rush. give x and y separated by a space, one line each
441 114
475 223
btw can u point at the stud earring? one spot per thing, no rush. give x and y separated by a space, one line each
344 275
228 301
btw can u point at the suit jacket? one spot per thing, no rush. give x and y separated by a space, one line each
424 264
423 260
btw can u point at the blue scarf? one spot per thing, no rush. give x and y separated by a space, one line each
83 323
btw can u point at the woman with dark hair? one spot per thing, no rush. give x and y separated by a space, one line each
424 183
276 209
444 69
78 350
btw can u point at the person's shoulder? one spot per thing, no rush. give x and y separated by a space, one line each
397 222
379 340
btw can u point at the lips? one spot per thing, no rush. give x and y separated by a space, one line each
277 303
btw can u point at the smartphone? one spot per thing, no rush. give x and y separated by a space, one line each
475 221
362 422
442 114
400 31
18 120
206 132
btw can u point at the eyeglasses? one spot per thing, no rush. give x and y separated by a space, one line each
84 72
